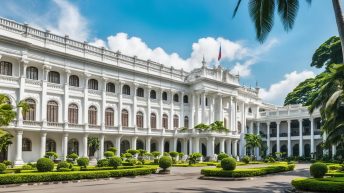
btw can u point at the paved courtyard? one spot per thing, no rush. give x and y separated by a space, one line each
181 180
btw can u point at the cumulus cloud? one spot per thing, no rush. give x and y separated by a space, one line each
277 92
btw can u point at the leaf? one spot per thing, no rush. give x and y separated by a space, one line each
287 10
236 8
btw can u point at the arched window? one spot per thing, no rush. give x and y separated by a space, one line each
153 120
249 110
32 73
140 92
50 145
30 114
92 115
176 98
73 114
125 145
54 77
93 84
165 121
126 89
110 87
73 146
26 144
152 94
52 112
139 119
186 121
125 118
186 99
109 117
107 145
6 68
74 80
175 121
164 96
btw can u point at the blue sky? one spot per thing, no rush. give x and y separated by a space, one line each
180 32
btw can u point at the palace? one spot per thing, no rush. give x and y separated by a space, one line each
75 91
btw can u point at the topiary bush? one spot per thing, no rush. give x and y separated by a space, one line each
2 167
193 158
228 163
62 166
133 152
26 167
7 163
45 165
109 154
72 157
83 162
51 155
318 170
103 162
113 149
115 162
221 156
165 162
246 159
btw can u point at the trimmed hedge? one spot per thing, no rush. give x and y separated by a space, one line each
73 175
318 170
247 172
333 185
108 168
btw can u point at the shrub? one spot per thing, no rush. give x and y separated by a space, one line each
103 162
166 154
318 170
72 156
246 159
221 156
194 157
156 154
115 162
83 162
64 165
109 154
45 165
2 167
51 155
127 155
132 151
26 167
334 185
181 155
228 163
174 154
156 161
113 149
165 162
7 162
33 165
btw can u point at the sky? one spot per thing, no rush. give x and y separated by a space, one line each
179 33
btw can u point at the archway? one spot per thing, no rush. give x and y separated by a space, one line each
153 147
73 146
284 151
307 150
217 148
140 144
167 146
107 145
296 150
179 146
204 150
125 145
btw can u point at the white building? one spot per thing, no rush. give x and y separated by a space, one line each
76 91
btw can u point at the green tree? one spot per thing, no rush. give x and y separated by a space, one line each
202 127
93 145
253 141
218 127
328 53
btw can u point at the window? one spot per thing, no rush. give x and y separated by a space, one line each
152 94
30 114
165 121
140 92
93 84
6 68
73 112
109 117
126 89
139 119
186 121
92 115
107 145
50 145
206 101
54 77
73 146
110 87
249 110
175 121
52 111
125 118
26 144
164 96
153 120
176 98
74 80
32 73
186 99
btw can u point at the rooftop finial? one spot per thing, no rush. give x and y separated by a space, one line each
203 62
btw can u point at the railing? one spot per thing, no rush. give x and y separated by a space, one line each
53 124
76 126
33 82
32 123
94 127
111 94
283 134
55 86
9 79
75 88
94 92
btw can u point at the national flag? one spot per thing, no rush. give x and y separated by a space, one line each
219 57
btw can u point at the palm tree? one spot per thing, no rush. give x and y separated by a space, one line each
218 126
253 141
262 14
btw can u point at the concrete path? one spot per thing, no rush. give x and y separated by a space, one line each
180 180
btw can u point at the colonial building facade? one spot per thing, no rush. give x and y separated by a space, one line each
75 91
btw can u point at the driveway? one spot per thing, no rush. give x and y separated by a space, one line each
180 180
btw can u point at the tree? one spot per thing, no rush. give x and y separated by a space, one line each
93 145
253 141
262 14
328 53
218 127
202 127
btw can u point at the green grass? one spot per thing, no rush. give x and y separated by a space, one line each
332 185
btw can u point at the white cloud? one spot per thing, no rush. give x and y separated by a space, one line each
277 92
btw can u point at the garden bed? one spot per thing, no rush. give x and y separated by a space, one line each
333 184
247 172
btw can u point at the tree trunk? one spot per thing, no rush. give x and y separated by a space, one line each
340 22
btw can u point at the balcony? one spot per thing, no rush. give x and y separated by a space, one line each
32 123
75 126
96 127
56 125
55 86
31 82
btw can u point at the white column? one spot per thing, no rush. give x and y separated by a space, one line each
43 143
278 136
301 140
234 117
161 110
197 119
148 111
312 134
230 116
118 145
203 99
162 145
190 146
133 116
85 145
44 96
21 90
148 144
210 148
19 154
334 150
289 138
85 105
212 108
220 108
103 106
119 111
101 147
181 119
268 138
192 109
171 126
185 146
251 127
133 142
229 147
222 145
66 99
235 148
174 144
65 145
196 145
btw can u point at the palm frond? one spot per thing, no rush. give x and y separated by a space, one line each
236 8
287 10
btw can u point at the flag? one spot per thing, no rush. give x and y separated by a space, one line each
219 57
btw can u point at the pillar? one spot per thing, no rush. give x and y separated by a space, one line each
210 146
235 148
119 111
222 145
312 134
185 146
133 114
171 125
190 146
85 145
300 139
133 142
162 145
118 145
65 145
203 99
43 143
101 147
196 145
334 150
148 144
278 136
191 115
174 144
19 154
268 138
229 147
289 138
